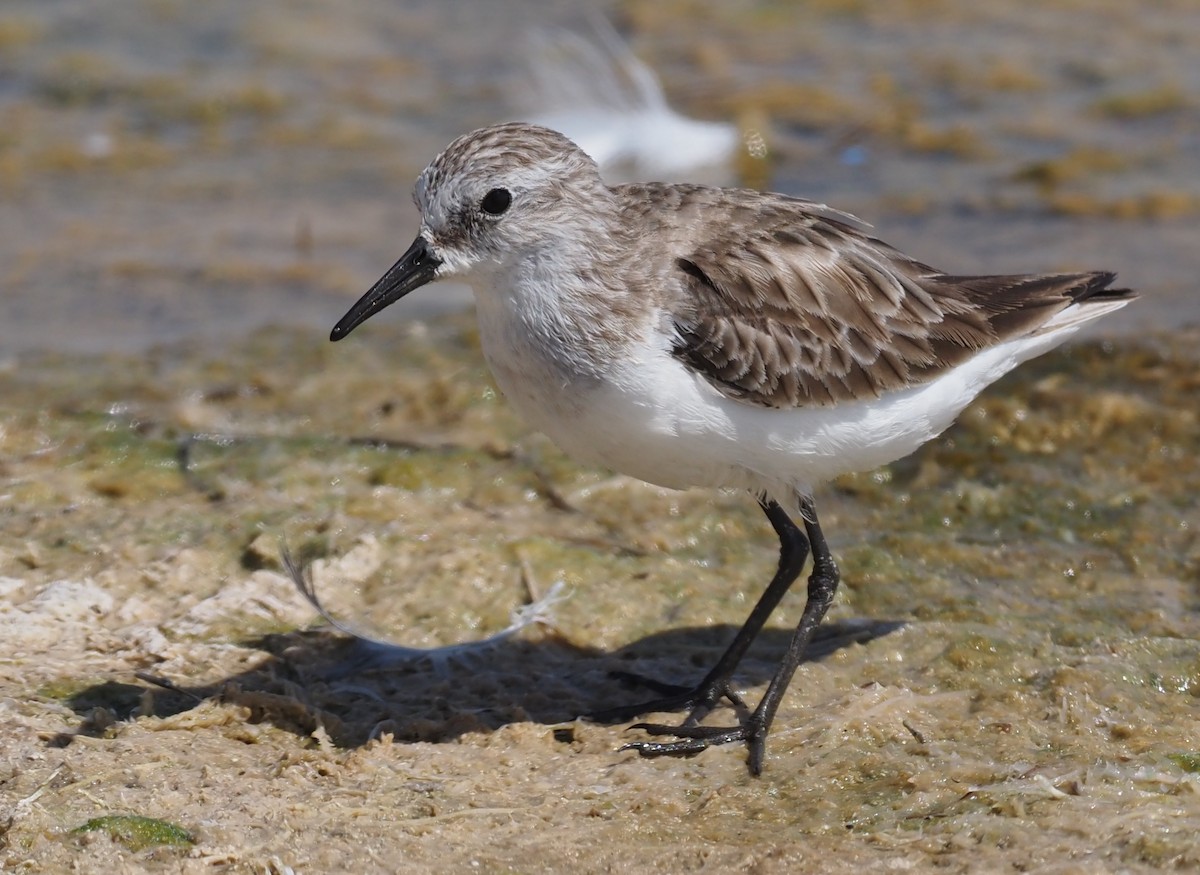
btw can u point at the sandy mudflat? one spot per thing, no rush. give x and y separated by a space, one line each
1009 681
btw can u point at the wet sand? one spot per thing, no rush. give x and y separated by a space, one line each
1009 677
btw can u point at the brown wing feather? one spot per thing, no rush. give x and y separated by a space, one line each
806 309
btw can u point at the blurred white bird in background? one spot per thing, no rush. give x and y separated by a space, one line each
598 93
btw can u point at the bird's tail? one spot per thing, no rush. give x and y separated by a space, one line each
1091 297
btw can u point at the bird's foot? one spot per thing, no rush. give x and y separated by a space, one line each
691 739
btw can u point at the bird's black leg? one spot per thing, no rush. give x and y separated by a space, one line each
822 584
793 551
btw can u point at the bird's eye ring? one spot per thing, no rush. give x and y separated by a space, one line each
496 201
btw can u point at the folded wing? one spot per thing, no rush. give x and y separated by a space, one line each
805 309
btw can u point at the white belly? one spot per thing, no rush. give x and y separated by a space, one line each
652 418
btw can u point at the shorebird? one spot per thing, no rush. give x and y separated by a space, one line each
692 336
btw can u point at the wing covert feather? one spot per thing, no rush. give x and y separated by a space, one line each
801 307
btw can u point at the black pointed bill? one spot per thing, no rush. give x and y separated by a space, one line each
414 269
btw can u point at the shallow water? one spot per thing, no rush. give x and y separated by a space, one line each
1009 677
176 170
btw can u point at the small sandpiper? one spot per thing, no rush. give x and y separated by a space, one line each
694 336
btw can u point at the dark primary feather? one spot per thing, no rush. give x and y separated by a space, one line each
803 308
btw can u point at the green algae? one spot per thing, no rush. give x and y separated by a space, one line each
137 832
1189 762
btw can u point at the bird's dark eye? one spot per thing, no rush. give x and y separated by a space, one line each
496 201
